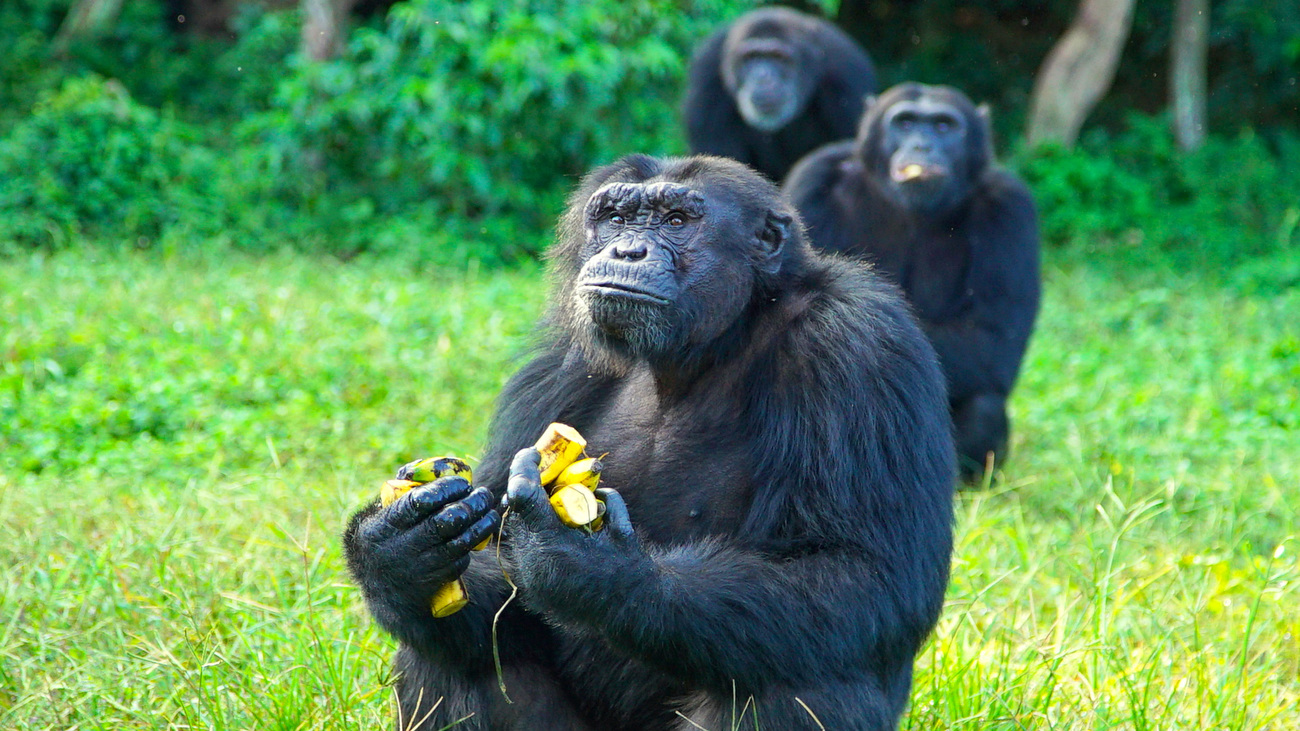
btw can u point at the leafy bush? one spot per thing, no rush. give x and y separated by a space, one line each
90 159
487 112
451 130
1137 189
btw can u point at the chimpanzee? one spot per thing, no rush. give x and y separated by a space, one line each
918 195
773 86
780 474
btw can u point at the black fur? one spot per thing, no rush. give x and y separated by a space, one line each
968 262
781 526
834 75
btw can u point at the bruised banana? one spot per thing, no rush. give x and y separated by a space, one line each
430 469
568 479
452 596
560 446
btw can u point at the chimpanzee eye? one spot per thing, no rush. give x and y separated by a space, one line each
676 219
616 219
942 125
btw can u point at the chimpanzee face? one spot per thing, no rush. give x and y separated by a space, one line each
669 264
925 146
926 143
771 87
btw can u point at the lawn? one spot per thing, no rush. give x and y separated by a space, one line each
182 437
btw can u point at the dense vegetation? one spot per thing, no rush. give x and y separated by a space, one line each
449 131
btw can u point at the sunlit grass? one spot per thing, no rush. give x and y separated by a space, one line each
181 440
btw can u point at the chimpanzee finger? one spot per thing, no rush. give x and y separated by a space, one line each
426 500
452 520
527 498
471 537
617 520
446 572
526 463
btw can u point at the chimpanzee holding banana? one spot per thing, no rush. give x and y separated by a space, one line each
918 195
780 468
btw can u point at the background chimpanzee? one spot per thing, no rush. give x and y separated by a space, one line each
775 422
917 194
773 86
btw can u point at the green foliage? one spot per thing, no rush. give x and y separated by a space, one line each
90 159
451 131
183 436
1136 190
488 110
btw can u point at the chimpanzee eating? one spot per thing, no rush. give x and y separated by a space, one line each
918 195
780 472
773 86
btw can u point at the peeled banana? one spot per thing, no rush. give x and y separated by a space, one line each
560 445
568 479
575 504
452 596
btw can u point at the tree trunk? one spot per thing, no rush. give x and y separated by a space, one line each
86 18
1079 70
1187 61
323 25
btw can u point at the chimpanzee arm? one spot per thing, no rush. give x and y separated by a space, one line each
981 350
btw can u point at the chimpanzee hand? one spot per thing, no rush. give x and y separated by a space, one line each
557 566
401 554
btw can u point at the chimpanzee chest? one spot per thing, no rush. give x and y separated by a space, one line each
934 278
683 468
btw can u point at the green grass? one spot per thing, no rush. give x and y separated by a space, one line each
181 439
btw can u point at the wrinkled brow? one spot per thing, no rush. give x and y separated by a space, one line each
675 197
629 198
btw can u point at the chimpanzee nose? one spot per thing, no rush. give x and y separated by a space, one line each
631 249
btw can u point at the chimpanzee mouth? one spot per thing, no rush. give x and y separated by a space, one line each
620 291
916 172
767 117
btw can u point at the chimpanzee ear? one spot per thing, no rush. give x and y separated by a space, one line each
868 102
772 239
984 112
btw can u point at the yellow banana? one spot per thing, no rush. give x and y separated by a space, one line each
450 598
575 504
560 445
394 489
428 470
583 472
